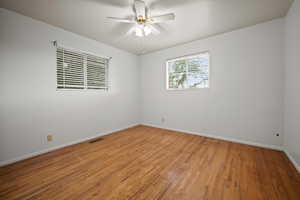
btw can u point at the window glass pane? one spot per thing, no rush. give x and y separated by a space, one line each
178 80
178 66
196 80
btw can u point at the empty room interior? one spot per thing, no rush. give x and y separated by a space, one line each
150 99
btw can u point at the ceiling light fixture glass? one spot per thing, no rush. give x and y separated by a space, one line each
139 31
142 30
147 30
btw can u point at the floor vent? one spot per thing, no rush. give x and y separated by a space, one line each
96 140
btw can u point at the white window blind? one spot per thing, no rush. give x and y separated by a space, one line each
188 72
76 70
96 72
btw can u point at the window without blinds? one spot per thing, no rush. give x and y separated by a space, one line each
76 70
188 72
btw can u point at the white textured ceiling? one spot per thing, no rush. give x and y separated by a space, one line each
195 19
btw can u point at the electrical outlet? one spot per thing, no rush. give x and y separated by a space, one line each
277 134
49 138
163 120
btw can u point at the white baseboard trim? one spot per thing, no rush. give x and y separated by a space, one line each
29 155
26 156
274 147
292 160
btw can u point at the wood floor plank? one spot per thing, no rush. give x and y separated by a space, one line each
145 163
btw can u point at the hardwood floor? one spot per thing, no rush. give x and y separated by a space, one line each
144 163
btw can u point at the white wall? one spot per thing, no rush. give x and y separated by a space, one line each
245 100
292 82
31 107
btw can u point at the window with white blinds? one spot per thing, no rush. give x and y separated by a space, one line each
76 70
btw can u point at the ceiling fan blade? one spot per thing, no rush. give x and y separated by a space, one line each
140 9
153 29
163 18
148 13
124 20
162 4
115 3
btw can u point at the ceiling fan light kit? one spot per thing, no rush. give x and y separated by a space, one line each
142 30
143 22
139 31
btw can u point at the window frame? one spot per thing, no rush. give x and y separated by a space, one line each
166 67
85 54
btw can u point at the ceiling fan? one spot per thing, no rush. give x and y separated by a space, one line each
144 24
